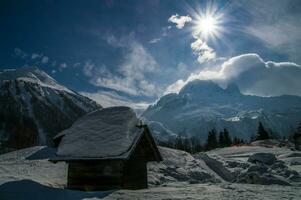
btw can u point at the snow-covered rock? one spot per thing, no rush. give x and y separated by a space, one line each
178 166
273 143
265 158
36 107
202 105
257 165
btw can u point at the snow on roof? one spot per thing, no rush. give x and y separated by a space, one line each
105 133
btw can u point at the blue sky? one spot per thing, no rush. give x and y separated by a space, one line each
135 51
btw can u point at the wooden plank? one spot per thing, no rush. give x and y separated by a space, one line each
90 176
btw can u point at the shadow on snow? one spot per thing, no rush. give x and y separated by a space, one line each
30 190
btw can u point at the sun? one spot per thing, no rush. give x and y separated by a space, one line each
208 23
207 26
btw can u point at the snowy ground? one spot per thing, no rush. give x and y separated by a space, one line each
27 174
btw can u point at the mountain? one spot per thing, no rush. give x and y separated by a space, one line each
34 107
160 133
202 105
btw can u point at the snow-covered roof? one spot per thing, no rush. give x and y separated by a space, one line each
105 133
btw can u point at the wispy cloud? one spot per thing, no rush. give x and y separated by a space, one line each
62 66
108 99
35 56
31 59
180 21
20 53
88 68
44 59
277 25
132 75
155 40
54 63
76 65
165 30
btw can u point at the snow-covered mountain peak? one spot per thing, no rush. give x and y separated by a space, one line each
202 105
36 107
33 75
200 87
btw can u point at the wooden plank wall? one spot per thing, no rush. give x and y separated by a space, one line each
95 175
135 175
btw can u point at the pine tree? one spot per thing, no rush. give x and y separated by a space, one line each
273 134
261 134
236 141
227 138
211 140
196 145
221 139
179 142
297 136
186 145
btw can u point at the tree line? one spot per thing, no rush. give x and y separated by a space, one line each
195 144
223 139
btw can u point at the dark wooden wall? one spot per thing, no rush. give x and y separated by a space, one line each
135 175
107 175
95 175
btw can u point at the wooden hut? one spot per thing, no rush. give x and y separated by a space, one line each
107 149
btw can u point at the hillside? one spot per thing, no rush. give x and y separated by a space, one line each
34 107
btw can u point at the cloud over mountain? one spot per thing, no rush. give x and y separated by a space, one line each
252 75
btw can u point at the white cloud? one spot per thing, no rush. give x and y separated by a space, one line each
175 87
45 59
180 21
108 99
202 50
252 75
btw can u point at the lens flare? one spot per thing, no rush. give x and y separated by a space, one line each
208 23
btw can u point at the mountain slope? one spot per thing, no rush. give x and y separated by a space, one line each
34 107
203 105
